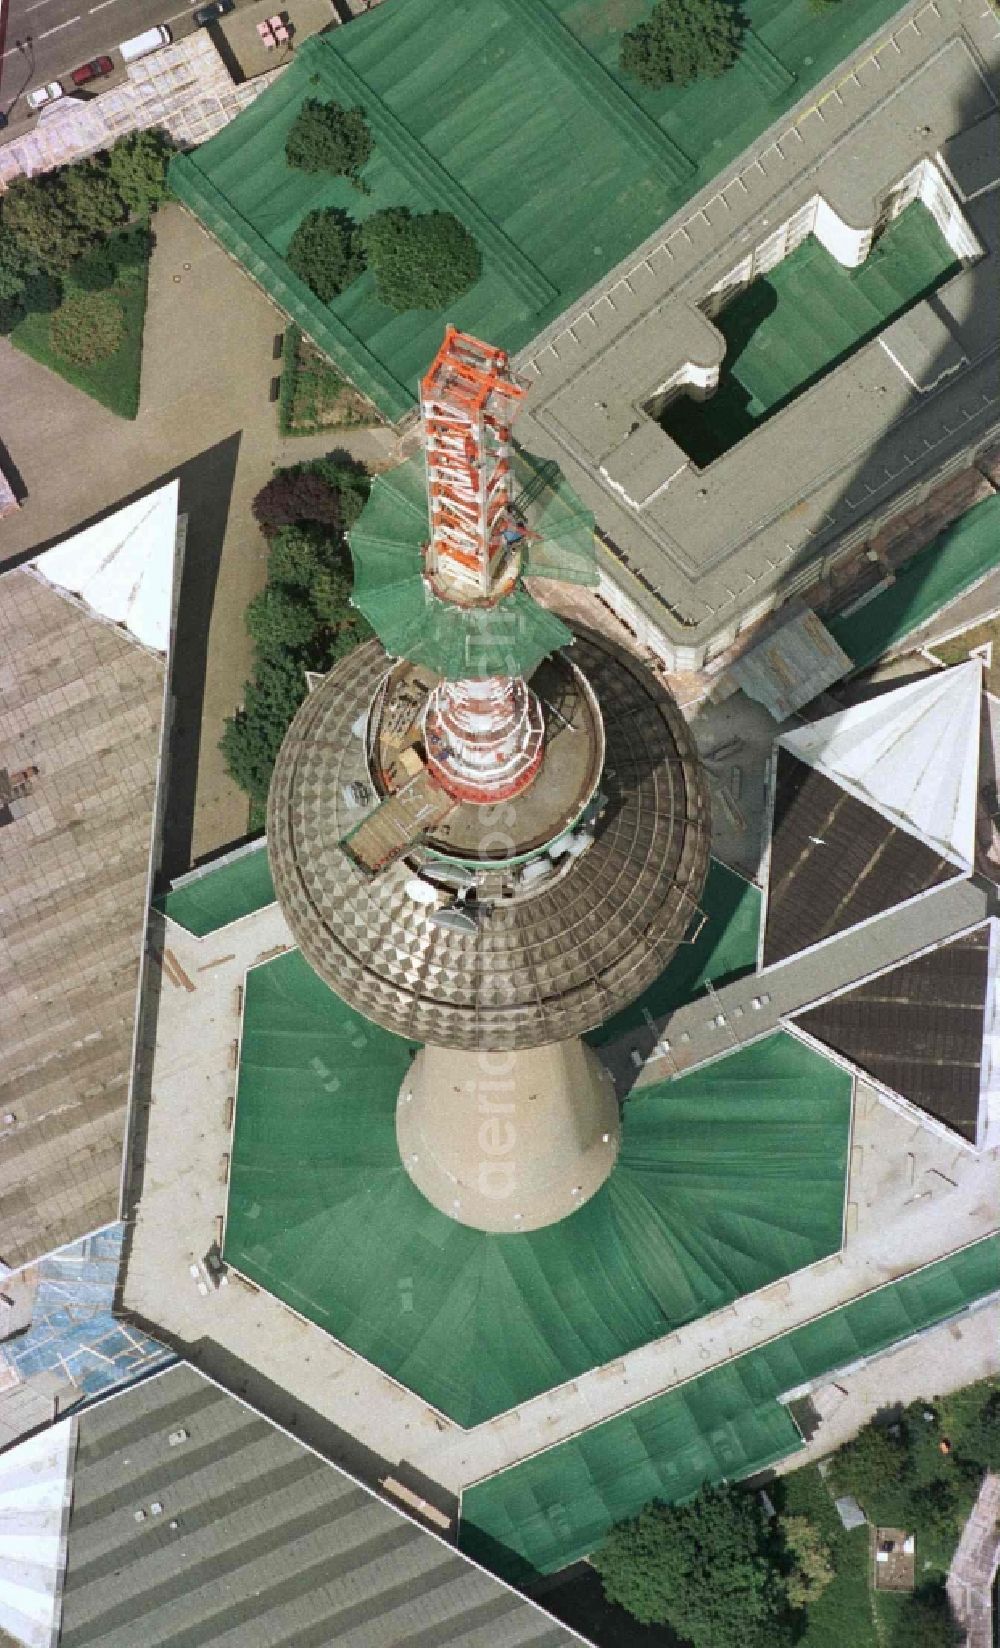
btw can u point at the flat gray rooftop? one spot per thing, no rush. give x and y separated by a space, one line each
257 1543
699 547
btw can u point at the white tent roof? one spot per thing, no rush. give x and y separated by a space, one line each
912 754
123 567
35 1490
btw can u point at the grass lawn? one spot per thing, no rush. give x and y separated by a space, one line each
114 381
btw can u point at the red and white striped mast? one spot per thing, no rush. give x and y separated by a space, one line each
484 736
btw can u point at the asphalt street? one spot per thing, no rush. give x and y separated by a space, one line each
45 40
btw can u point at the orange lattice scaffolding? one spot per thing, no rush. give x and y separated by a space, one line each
468 399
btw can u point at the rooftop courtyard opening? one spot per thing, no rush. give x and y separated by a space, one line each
807 299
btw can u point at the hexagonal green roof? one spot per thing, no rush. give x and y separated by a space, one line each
727 1179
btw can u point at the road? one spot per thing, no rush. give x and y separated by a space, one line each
45 39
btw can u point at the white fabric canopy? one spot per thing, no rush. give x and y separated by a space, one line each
912 754
123 566
35 1491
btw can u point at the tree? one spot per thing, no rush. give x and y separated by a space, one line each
108 260
297 557
681 41
138 164
38 218
351 480
92 197
922 1619
87 327
280 620
420 262
811 1563
296 494
873 1468
252 737
977 1436
324 137
703 1568
934 1510
326 252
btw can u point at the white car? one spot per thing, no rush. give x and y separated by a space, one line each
45 94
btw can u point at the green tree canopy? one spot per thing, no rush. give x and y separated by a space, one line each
103 265
419 262
976 1438
38 217
922 1619
297 494
810 1561
138 165
324 137
681 41
326 252
92 197
280 620
873 1467
252 737
704 1568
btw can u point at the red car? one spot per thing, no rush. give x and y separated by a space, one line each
91 71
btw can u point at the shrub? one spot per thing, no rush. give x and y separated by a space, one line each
297 494
681 41
326 252
138 165
703 1568
419 262
324 137
87 327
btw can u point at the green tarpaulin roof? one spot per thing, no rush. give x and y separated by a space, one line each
221 893
555 1508
727 1179
952 564
518 120
510 638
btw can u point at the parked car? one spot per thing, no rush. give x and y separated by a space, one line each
45 94
140 45
91 71
208 14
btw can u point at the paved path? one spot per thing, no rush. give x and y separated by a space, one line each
970 1578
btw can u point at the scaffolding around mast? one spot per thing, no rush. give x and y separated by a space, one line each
467 399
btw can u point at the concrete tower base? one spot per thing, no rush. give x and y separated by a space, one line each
508 1141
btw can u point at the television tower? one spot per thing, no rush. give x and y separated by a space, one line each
482 842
